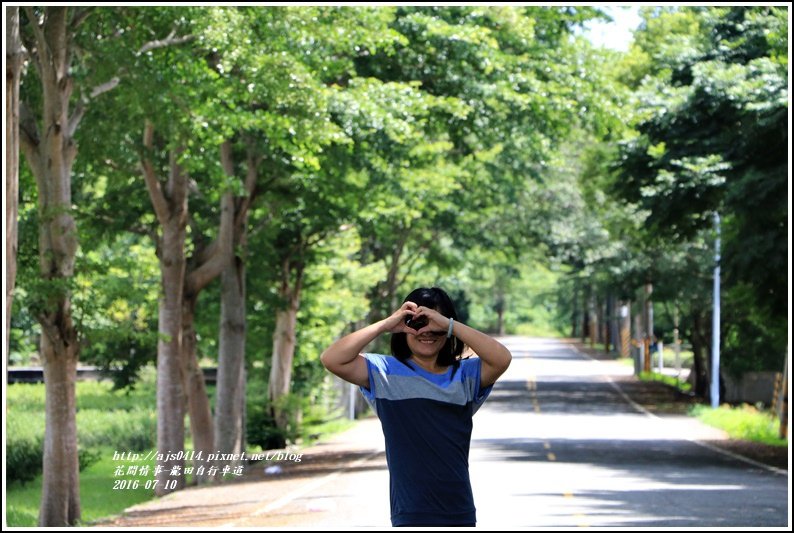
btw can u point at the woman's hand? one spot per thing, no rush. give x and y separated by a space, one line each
396 322
435 320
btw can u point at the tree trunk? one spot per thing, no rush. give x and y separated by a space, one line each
230 397
384 295
647 316
284 343
14 55
592 317
170 392
499 307
196 393
601 319
700 340
639 344
60 499
50 154
230 388
170 204
210 264
648 311
613 313
575 312
585 317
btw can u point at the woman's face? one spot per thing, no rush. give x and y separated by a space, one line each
426 344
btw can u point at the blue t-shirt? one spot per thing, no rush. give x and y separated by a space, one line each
427 422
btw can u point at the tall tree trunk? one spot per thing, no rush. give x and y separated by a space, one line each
208 265
700 366
613 318
585 316
592 318
647 318
499 307
170 204
384 295
601 314
230 398
574 311
50 154
284 341
60 499
198 404
639 343
170 391
14 56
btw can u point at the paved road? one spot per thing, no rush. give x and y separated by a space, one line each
558 444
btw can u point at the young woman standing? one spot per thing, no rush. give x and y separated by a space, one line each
425 395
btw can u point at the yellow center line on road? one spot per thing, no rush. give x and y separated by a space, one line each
532 387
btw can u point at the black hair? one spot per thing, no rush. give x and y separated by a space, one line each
437 299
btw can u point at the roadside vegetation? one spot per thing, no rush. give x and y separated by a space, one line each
745 422
111 422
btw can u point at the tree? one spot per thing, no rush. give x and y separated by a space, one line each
230 399
48 122
170 202
515 83
14 58
712 137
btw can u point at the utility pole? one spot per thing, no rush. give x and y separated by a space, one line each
715 325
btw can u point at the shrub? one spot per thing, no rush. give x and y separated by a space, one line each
118 420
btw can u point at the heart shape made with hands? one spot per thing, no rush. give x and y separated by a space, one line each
416 323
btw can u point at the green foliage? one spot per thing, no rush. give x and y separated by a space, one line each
24 451
116 307
672 381
97 500
743 422
125 421
260 426
711 137
485 149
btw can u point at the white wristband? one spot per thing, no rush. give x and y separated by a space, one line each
449 331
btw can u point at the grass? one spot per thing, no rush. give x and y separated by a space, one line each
673 381
744 422
97 497
320 431
107 421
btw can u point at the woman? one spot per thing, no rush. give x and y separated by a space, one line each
425 396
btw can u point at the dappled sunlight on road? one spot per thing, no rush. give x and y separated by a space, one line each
559 444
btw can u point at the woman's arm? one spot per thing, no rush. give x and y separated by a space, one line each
344 358
494 356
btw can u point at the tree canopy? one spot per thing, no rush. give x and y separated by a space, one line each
353 153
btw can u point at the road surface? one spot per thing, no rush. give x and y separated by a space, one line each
557 444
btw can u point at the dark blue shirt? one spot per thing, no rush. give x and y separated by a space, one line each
427 422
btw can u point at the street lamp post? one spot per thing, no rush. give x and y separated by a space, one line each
715 325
